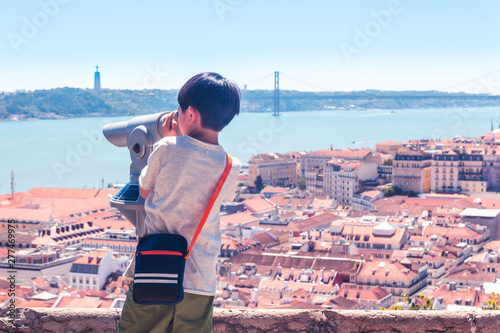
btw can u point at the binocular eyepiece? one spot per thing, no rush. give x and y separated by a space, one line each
139 135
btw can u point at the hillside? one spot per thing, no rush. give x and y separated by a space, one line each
73 102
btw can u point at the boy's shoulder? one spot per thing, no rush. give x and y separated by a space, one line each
183 143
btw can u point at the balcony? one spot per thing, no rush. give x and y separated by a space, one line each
41 320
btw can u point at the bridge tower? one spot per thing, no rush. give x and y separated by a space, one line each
276 111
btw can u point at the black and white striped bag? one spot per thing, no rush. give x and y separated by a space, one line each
159 269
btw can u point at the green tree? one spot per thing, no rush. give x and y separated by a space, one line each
412 194
301 184
387 162
259 185
414 304
492 303
391 190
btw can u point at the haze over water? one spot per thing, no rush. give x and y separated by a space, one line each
74 153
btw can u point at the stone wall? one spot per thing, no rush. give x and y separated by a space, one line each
42 320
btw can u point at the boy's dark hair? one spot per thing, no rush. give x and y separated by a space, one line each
216 98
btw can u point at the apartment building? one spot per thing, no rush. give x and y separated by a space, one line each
461 170
274 169
123 247
412 171
394 278
378 241
342 179
491 167
389 147
421 256
363 200
315 180
490 218
470 172
90 271
319 158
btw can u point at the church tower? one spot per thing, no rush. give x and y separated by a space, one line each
97 79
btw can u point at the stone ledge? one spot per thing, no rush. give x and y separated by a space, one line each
41 320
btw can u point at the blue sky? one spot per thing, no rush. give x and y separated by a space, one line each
316 45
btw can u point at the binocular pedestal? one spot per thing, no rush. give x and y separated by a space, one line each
139 135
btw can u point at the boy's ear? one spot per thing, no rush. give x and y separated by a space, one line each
193 115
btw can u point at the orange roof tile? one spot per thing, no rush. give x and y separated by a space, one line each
94 254
371 194
343 153
33 303
274 189
110 224
389 143
396 271
456 233
237 219
258 205
86 302
264 238
280 200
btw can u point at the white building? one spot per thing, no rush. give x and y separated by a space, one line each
364 200
341 179
90 272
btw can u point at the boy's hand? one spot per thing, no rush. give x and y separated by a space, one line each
169 126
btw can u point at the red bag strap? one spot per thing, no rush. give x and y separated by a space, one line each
225 173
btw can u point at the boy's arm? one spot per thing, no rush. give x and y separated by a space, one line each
147 178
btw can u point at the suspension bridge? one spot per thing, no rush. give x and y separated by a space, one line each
487 87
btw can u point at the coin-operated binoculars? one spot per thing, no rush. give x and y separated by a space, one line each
138 135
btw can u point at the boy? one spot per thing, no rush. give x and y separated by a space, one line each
178 182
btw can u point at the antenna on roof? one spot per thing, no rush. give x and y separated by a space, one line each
12 183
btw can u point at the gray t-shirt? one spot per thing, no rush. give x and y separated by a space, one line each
182 173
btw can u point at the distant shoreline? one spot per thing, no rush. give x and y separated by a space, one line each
63 103
390 110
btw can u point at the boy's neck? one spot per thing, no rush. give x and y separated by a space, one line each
206 136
